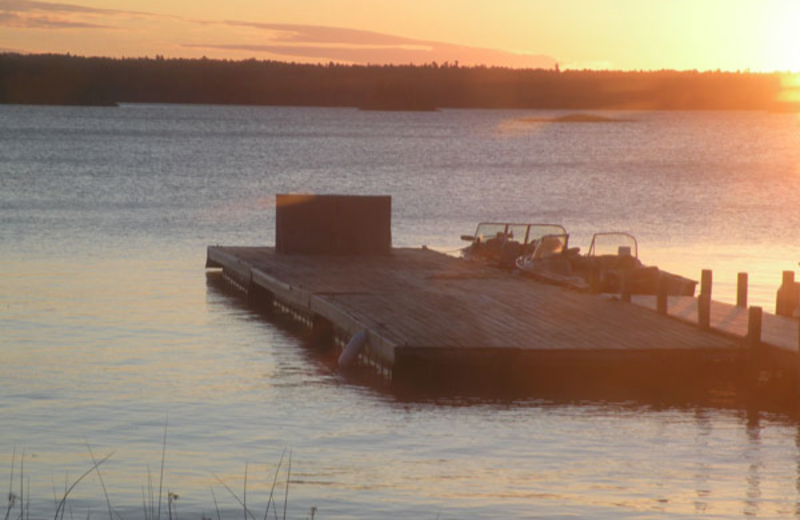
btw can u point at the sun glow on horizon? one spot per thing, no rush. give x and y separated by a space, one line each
730 35
790 89
778 27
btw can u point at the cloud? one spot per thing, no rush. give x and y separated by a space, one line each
356 46
292 33
25 6
287 41
32 14
397 55
19 21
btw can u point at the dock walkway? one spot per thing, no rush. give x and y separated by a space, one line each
777 331
418 305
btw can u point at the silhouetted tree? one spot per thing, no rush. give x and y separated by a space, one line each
66 79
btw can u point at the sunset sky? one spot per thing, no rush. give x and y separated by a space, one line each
760 35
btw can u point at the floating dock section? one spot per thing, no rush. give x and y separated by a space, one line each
431 317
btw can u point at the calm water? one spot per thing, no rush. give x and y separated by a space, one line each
110 327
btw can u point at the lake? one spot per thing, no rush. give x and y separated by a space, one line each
112 333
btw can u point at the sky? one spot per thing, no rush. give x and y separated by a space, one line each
757 35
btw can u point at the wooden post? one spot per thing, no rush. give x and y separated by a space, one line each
704 311
704 300
786 299
741 290
754 318
705 282
625 286
787 293
661 295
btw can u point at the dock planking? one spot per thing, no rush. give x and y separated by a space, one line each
778 331
428 311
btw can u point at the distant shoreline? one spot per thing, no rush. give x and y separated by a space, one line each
49 79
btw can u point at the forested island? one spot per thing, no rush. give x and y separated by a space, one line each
72 80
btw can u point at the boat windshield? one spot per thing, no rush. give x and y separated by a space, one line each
489 230
517 233
549 246
522 233
537 231
614 244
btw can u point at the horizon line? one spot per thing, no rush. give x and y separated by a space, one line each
454 64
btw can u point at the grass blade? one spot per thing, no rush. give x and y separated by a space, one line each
22 486
216 506
11 497
234 495
272 490
102 484
288 478
66 486
60 507
55 493
144 506
163 456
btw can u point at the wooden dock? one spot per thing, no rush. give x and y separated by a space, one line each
428 315
780 332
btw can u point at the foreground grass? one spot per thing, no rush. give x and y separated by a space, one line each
155 506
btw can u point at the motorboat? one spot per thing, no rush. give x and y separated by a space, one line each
613 258
501 243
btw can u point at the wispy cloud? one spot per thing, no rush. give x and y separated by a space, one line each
19 21
32 14
23 6
306 34
248 38
395 55
357 46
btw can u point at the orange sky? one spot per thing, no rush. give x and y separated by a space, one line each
761 35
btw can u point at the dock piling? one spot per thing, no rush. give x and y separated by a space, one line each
704 300
754 320
786 300
704 311
661 296
741 290
705 282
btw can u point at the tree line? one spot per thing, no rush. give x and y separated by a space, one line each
73 80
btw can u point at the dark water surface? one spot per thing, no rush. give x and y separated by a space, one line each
109 324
